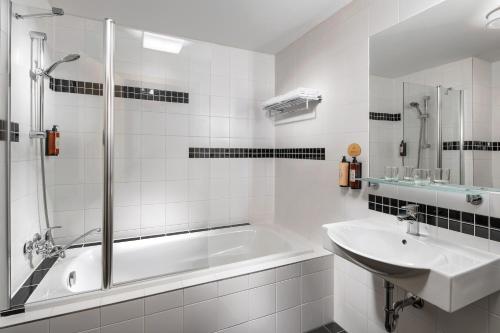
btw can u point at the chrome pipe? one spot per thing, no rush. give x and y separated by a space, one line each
109 94
439 149
5 221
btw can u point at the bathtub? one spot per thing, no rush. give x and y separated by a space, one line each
173 255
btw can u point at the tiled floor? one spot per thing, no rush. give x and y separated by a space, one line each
330 328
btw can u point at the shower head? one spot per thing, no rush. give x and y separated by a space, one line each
55 11
68 58
416 106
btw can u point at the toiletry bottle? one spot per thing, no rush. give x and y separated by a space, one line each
344 173
355 174
402 148
52 141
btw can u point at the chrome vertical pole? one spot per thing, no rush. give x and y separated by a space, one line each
462 155
109 94
439 148
5 222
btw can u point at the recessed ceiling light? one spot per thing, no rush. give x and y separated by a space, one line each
493 19
162 43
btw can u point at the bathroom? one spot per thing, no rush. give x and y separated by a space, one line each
177 166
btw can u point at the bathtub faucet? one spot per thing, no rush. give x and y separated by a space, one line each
46 247
60 250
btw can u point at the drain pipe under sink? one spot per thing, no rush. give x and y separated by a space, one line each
392 309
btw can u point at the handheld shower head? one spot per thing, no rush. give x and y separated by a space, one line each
416 106
68 58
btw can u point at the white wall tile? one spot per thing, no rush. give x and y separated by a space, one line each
232 309
233 285
262 301
263 325
130 326
170 321
201 317
288 321
287 294
75 322
200 293
122 311
262 278
164 302
288 272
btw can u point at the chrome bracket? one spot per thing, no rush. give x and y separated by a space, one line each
474 199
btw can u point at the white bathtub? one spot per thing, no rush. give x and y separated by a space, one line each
171 255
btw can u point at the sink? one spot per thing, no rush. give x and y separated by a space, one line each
384 252
444 273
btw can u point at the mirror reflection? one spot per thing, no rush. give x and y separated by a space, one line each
433 114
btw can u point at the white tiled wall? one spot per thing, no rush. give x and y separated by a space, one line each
26 209
289 299
158 188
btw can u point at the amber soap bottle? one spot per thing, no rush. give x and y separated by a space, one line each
355 174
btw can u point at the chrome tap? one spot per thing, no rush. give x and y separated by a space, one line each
46 247
411 216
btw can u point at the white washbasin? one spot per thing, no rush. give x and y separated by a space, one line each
446 274
384 252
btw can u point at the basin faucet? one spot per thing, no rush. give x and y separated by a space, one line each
411 217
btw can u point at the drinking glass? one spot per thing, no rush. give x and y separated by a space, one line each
421 176
441 176
408 173
391 173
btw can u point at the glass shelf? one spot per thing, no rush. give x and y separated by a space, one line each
472 190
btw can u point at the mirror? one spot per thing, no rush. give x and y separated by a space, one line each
435 96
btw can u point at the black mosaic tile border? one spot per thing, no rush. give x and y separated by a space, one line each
96 89
29 286
292 153
472 145
385 116
121 240
483 226
14 131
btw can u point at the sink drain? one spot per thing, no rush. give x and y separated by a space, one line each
404 241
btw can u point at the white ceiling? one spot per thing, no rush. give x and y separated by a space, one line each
452 30
259 25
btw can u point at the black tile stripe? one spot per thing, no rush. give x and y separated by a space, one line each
293 153
385 116
478 225
472 145
14 131
96 89
29 286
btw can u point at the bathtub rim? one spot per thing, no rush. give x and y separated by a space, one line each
130 291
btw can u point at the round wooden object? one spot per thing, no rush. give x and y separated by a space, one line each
354 150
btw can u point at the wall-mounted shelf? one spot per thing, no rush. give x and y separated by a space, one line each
466 190
300 102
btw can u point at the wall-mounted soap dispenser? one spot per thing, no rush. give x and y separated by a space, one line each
52 141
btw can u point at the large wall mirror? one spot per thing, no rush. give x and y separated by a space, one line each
435 97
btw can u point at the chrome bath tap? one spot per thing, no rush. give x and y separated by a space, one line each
47 248
411 217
